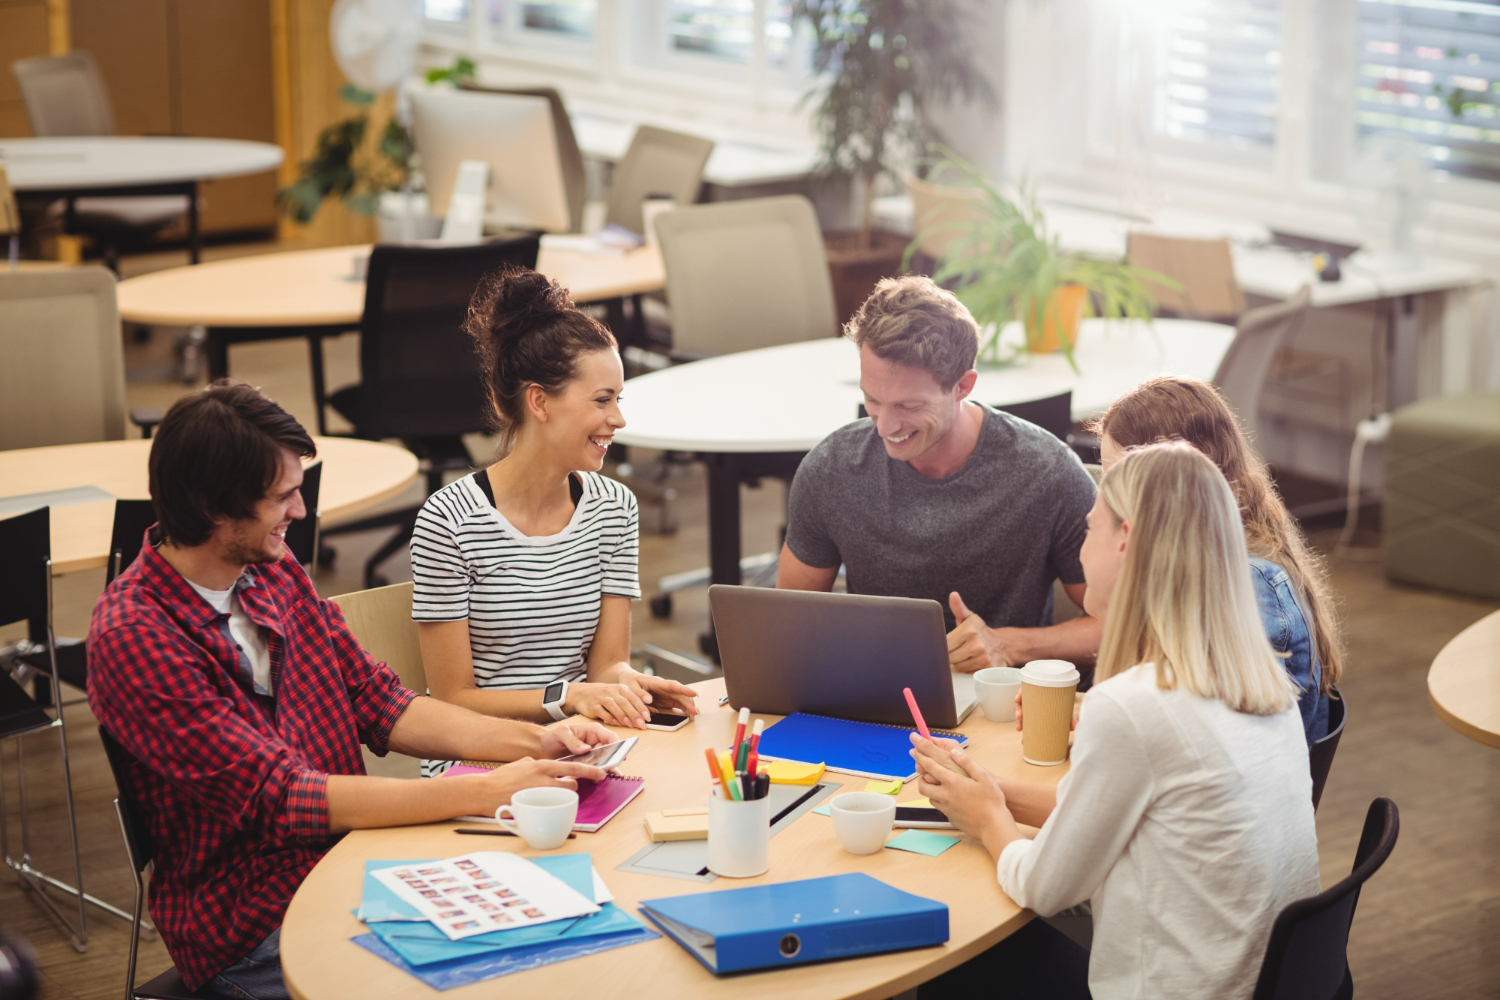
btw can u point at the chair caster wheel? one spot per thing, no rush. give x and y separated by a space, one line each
327 555
661 606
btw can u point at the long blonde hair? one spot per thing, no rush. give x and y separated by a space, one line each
1171 407
1183 599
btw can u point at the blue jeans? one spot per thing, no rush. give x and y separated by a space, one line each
257 976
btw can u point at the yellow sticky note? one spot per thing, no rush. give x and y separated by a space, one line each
787 772
921 803
892 787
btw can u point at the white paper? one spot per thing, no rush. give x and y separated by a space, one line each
485 891
602 894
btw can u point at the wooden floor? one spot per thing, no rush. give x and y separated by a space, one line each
1428 925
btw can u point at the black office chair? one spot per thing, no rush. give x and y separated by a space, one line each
302 536
1307 958
420 380
26 595
1320 754
1053 414
141 849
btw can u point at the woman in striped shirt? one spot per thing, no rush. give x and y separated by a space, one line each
524 571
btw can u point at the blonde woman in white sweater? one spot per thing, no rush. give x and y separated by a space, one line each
1186 819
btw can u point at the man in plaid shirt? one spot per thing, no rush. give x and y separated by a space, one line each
242 700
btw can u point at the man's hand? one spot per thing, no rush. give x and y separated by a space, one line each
575 737
972 645
504 781
966 793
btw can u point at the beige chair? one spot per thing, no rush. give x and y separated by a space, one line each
1204 269
745 274
62 370
657 162
1259 334
938 211
381 620
569 157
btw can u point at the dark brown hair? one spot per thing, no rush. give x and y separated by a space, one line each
216 455
914 322
1171 408
528 332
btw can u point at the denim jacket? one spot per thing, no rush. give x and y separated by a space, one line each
1286 627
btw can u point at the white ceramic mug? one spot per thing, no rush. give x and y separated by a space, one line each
862 820
543 817
996 689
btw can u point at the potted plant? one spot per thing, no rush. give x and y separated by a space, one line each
1003 264
883 66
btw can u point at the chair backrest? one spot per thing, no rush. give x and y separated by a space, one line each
1052 413
418 373
64 95
1204 269
62 367
1320 754
1257 337
302 536
746 274
938 213
569 156
657 162
138 842
381 620
1306 958
132 518
25 568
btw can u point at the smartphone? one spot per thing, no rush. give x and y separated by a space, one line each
607 756
916 817
666 721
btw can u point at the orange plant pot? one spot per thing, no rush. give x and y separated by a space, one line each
1060 324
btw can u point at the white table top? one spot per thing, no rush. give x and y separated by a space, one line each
81 162
736 160
1273 272
789 398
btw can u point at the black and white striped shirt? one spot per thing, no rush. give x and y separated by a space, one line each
532 602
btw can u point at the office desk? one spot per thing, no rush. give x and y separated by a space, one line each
320 962
109 166
736 160
1464 682
315 294
356 475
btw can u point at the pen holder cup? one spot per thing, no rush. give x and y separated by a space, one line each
739 837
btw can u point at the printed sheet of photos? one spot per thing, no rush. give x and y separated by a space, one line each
485 891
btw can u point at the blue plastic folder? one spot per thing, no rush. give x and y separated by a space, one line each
867 749
793 923
478 968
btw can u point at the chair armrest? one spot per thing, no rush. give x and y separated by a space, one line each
146 418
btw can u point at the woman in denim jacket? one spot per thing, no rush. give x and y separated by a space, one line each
1291 585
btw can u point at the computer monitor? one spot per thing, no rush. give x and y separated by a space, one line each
513 134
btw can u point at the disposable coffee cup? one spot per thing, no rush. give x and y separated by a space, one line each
543 817
862 820
1047 692
739 837
995 688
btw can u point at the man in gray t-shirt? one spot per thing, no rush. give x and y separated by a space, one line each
935 496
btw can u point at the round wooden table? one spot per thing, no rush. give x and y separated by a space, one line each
1464 682
356 475
321 963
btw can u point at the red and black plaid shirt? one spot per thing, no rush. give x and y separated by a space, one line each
232 783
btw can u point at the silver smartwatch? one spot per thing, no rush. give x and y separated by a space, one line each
554 695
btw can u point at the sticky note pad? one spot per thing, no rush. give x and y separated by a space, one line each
921 803
788 772
892 787
823 811
922 842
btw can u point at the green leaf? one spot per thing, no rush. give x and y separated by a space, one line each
357 96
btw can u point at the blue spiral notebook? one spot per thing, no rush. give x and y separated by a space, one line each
866 749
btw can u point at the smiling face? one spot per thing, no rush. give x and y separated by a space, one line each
912 412
1102 555
578 423
262 538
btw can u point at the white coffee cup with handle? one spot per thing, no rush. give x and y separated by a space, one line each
862 820
543 817
995 688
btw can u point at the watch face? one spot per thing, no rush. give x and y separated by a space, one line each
552 692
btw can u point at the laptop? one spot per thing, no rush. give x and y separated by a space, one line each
842 655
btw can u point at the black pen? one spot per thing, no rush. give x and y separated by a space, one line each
501 833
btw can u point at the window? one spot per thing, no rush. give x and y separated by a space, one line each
1429 70
1217 72
728 39
523 21
446 16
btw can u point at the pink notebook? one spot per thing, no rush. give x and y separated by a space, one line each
598 801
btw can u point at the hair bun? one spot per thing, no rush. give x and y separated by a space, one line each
522 300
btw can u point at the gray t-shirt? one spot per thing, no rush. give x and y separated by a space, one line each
998 531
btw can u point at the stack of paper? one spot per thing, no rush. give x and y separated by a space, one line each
566 911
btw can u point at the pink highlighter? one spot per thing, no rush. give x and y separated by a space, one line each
916 713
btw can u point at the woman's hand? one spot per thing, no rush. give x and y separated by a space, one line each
966 793
661 694
1077 704
611 704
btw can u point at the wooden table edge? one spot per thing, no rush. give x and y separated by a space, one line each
1460 725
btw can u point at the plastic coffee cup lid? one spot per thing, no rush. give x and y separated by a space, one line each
1050 673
